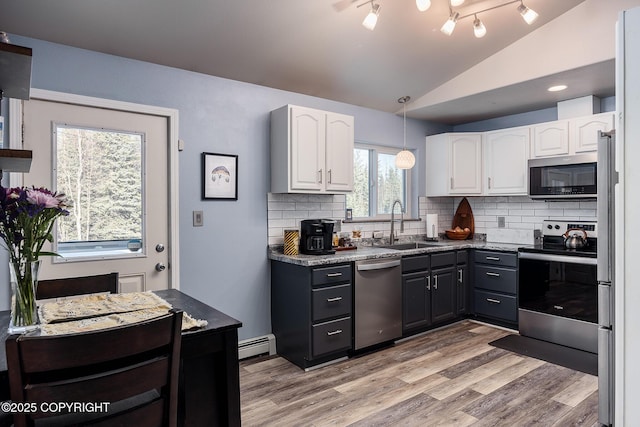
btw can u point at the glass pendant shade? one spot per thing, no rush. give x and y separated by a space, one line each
456 3
405 159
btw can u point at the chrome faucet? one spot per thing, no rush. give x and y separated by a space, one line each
392 235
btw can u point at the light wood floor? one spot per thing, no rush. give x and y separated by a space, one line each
449 377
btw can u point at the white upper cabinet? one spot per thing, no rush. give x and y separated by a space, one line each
584 131
311 151
454 164
551 139
506 153
568 137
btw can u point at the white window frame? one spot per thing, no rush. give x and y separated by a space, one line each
373 182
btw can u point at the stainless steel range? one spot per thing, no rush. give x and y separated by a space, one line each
557 286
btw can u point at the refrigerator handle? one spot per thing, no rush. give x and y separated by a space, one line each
606 169
605 381
604 306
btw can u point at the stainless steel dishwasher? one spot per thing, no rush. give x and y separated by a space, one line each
378 301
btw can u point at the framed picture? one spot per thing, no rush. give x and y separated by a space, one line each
219 176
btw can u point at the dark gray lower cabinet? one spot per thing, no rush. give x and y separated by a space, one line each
495 295
311 312
429 291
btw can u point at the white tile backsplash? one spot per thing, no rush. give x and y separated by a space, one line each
522 215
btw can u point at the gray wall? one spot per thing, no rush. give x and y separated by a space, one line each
223 263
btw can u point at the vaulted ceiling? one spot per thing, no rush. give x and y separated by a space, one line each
319 47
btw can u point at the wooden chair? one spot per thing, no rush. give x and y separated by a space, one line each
56 288
133 367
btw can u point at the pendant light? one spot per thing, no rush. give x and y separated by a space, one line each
405 158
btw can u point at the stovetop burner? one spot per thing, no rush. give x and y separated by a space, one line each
553 241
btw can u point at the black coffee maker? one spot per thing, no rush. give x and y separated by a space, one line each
316 236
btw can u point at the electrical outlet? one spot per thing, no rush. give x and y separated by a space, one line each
501 222
198 218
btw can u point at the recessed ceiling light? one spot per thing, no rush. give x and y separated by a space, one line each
557 88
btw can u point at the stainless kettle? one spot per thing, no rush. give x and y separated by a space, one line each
575 240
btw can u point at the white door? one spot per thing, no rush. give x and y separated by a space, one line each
465 160
113 165
506 154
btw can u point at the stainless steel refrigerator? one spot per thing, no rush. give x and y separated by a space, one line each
607 182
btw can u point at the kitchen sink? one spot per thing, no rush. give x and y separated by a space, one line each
410 245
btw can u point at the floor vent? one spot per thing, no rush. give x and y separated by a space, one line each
259 345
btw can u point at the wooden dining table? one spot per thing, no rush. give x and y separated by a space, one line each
209 374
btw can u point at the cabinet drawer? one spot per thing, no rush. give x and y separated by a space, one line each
415 263
334 301
331 336
443 259
496 305
496 279
461 257
496 258
333 274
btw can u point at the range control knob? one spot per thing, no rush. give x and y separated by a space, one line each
549 226
557 227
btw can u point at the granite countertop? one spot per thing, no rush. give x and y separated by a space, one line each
374 252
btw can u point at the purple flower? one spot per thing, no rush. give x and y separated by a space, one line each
44 198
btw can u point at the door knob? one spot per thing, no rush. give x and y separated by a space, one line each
159 247
160 266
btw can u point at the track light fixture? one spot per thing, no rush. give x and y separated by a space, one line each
479 30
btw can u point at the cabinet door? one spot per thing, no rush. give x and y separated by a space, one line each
339 153
465 163
437 165
463 289
443 294
584 131
505 159
551 139
307 149
416 300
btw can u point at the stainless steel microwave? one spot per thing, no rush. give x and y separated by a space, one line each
566 177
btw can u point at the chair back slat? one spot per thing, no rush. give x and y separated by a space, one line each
57 288
133 367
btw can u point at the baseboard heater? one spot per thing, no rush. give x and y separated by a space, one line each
255 346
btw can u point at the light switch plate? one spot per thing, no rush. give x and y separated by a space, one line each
198 218
501 223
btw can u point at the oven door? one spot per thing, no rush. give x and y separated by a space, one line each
558 299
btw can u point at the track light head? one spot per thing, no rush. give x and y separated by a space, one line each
529 15
450 25
479 30
423 5
371 19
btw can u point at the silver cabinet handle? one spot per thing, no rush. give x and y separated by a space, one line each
495 301
492 258
460 275
428 283
334 274
489 182
435 284
451 182
489 273
558 307
329 176
334 299
320 176
336 332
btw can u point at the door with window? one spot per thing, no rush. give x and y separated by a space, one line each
113 167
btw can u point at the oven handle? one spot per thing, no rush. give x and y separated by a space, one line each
558 258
